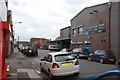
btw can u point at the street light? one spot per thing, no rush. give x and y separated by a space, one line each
14 28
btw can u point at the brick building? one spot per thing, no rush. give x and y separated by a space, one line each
97 26
39 42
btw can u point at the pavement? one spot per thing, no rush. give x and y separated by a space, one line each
20 67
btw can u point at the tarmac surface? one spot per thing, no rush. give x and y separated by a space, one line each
20 68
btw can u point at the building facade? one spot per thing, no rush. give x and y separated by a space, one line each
96 26
39 42
63 41
5 26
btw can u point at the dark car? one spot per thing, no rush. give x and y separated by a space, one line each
31 51
77 52
23 50
103 56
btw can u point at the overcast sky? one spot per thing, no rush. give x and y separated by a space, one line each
45 18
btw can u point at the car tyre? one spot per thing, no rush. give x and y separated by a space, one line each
101 60
41 68
89 59
76 74
51 77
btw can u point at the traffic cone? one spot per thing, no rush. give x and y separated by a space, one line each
8 70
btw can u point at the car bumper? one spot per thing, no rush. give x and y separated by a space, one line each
60 72
109 60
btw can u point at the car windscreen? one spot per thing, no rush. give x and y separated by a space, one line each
63 57
76 50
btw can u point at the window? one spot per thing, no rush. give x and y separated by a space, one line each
49 58
80 30
74 31
63 57
46 58
96 52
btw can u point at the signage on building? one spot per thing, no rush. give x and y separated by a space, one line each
95 29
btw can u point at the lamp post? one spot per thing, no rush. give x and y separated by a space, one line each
14 30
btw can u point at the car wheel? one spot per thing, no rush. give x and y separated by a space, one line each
50 75
76 74
101 60
36 54
113 62
89 58
41 68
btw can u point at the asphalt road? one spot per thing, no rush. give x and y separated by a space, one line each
87 68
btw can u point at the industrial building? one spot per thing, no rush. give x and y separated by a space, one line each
97 26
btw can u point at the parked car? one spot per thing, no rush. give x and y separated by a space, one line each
65 50
23 49
113 74
103 56
59 64
54 48
77 52
31 51
45 47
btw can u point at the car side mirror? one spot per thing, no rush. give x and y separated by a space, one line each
42 59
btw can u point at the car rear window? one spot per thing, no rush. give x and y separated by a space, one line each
63 57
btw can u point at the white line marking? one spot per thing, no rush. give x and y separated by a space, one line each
37 60
32 73
21 70
38 71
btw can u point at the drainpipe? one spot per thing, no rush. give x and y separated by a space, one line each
109 25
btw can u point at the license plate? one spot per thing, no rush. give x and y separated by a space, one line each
30 50
111 59
67 64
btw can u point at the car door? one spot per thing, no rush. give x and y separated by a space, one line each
48 64
95 55
43 62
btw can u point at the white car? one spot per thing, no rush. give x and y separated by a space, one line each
59 64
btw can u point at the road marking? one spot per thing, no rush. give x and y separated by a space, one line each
38 71
21 70
32 73
37 60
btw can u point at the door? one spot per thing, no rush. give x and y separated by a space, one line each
48 64
96 55
43 62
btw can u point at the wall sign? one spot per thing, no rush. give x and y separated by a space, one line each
95 29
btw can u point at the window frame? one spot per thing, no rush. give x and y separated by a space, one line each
80 30
74 30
